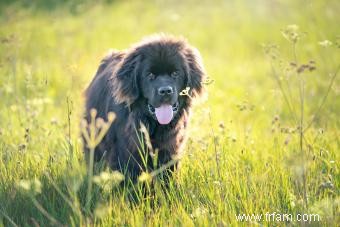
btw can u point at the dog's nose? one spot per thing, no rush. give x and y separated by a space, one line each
166 90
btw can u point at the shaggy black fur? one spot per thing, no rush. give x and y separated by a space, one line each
127 82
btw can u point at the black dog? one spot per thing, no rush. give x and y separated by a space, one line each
143 85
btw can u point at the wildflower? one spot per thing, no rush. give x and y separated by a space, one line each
93 113
221 125
111 117
54 121
199 211
287 140
99 122
311 68
105 177
145 177
291 33
293 64
95 131
271 50
326 185
208 81
185 92
21 147
102 211
31 186
217 183
301 69
325 43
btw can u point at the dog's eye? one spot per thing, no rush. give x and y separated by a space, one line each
174 74
151 76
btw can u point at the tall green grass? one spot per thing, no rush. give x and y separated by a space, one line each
266 140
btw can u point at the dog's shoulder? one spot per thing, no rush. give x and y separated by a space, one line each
111 58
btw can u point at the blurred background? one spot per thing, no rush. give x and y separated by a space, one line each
62 43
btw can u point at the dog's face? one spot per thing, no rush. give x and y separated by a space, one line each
162 78
157 71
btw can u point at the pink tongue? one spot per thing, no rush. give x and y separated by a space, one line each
164 114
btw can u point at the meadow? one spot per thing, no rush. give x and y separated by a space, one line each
266 140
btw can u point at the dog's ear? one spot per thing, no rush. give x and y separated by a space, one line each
196 72
125 80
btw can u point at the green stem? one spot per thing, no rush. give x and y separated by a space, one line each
301 133
324 98
89 180
45 213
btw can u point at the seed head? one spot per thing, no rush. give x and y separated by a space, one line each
93 113
99 122
111 117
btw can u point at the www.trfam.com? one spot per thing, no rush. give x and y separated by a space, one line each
278 217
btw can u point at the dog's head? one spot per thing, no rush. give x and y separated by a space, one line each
157 70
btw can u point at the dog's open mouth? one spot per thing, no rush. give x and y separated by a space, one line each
164 113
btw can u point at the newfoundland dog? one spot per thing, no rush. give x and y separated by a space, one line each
144 86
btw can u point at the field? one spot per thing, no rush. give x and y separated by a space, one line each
265 143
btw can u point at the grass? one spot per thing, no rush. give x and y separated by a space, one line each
266 140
